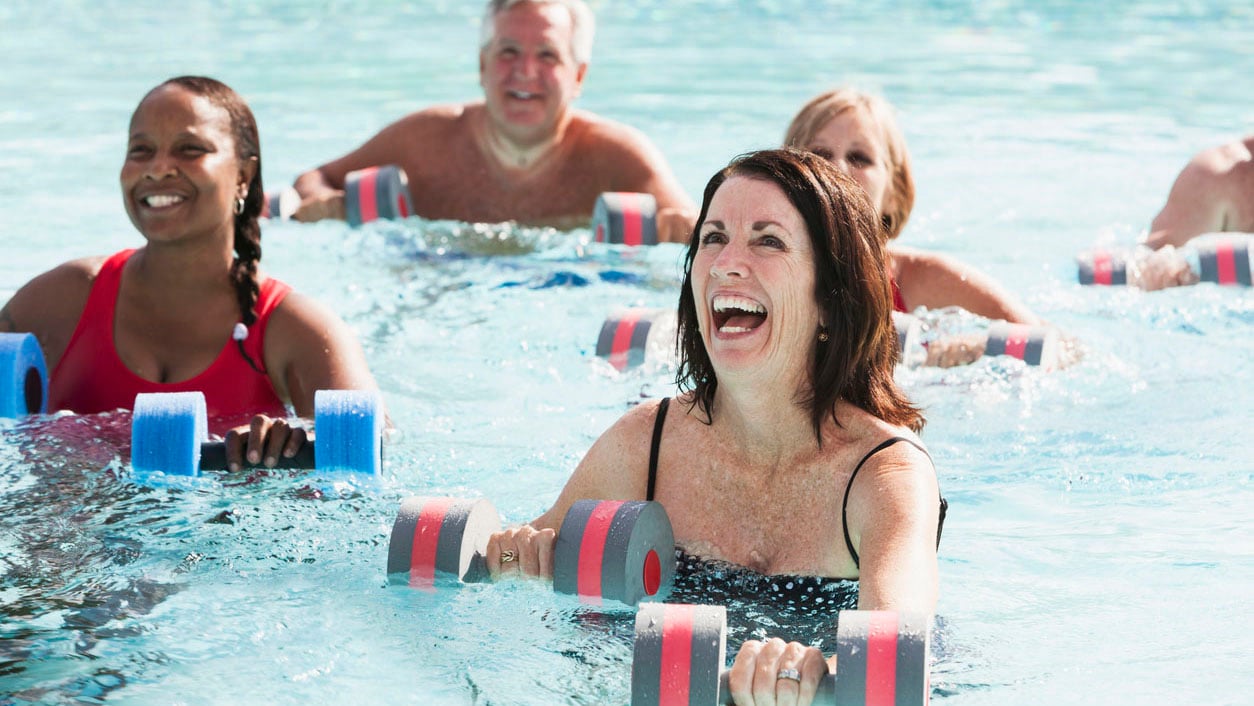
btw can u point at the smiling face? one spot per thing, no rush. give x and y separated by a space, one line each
528 72
181 175
753 281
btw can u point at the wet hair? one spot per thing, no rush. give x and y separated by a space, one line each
582 24
851 289
247 243
823 108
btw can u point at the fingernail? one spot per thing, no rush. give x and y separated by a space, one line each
233 467
254 456
270 461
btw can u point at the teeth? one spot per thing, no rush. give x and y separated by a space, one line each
162 200
522 94
723 303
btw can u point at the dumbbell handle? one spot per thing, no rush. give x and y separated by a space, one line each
213 458
825 696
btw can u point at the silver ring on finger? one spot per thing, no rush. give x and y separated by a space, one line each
789 674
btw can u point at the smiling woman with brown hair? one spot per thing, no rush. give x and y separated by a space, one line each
791 450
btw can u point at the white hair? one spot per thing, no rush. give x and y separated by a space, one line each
583 24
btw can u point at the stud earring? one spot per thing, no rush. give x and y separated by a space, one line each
239 206
823 337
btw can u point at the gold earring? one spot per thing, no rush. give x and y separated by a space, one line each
823 337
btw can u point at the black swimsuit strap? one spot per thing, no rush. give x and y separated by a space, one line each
657 443
845 503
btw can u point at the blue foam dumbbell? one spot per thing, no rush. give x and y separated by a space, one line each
169 433
23 376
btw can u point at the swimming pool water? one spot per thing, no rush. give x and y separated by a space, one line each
1098 547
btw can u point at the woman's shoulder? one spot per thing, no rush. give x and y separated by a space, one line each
59 293
871 436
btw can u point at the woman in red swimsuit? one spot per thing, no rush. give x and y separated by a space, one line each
857 133
189 310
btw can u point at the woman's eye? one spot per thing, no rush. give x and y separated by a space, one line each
771 241
822 152
713 238
138 150
861 158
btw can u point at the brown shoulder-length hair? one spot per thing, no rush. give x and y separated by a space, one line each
851 288
821 109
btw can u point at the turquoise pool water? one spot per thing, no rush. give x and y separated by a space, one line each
1098 548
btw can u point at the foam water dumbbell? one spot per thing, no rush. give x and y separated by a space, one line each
882 658
629 337
625 218
1103 267
23 376
1034 345
376 192
1225 261
169 433
370 194
605 549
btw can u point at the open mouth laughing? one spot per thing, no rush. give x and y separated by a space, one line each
737 314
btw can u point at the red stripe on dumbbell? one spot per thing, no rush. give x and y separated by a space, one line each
1225 263
622 340
426 542
366 196
592 551
676 654
1101 268
633 224
1017 340
881 659
401 209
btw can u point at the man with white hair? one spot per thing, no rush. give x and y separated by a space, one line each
523 153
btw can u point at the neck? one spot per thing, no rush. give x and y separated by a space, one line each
184 268
519 153
764 421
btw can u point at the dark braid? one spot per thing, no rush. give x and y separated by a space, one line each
247 243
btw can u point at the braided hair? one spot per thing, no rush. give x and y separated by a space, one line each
247 242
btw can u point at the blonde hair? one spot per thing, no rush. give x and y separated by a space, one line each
823 108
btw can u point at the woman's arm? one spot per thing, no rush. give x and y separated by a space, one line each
893 516
615 468
935 281
309 348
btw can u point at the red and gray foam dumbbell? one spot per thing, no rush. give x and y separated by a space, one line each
1034 345
1225 261
883 658
625 218
629 336
1103 267
370 194
605 549
23 376
169 434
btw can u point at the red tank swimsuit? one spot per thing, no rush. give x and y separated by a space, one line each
899 304
90 376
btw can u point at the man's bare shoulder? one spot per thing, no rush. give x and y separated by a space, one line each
608 136
442 118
